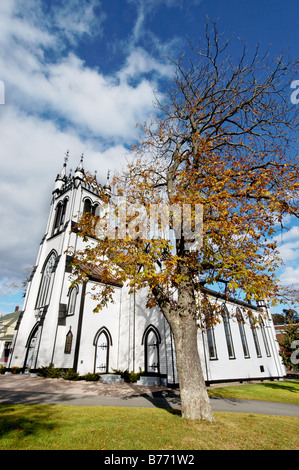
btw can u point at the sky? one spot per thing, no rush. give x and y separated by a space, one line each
79 76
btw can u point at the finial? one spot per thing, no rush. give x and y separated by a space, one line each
66 158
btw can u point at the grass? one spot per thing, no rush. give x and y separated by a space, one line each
66 427
282 391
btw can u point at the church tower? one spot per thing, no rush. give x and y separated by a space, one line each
50 305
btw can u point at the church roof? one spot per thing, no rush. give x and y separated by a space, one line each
97 274
10 316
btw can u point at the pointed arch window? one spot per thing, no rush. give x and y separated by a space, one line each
151 340
262 326
46 280
87 206
60 216
210 336
242 333
228 335
90 207
72 301
255 338
68 342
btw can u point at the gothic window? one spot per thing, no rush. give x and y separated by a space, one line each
228 335
255 338
91 208
242 333
72 300
87 206
45 282
262 326
210 337
68 342
151 340
59 216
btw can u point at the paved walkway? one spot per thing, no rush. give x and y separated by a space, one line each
37 390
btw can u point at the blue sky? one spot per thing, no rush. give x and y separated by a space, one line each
79 76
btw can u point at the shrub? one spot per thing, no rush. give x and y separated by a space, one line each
70 374
129 377
49 372
2 369
91 377
15 370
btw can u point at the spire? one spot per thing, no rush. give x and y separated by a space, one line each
79 172
107 187
80 166
61 177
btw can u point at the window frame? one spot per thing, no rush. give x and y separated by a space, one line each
255 338
60 212
211 343
47 273
243 334
264 336
228 334
72 294
68 342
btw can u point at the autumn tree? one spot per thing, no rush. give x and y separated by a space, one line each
288 315
222 141
288 341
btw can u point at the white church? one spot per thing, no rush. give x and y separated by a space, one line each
57 324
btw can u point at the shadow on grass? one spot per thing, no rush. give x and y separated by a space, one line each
166 399
282 386
26 420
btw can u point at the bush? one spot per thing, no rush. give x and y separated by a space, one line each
15 370
90 377
70 374
2 369
49 372
129 377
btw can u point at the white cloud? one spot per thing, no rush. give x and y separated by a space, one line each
55 105
288 244
76 18
34 152
105 106
140 62
54 102
290 277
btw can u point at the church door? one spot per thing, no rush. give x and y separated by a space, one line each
151 353
102 353
31 351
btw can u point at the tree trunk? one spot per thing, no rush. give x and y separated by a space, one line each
195 401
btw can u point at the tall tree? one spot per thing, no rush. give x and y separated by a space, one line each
221 142
288 341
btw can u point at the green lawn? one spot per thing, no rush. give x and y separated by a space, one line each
281 391
66 427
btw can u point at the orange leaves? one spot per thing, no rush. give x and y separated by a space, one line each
244 190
